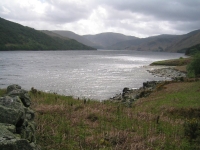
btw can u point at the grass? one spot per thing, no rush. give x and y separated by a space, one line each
173 62
166 119
179 64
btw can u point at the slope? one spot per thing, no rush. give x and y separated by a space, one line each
108 38
185 41
17 37
167 43
76 37
154 43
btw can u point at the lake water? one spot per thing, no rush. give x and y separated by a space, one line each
88 74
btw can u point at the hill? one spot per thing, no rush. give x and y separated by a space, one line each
108 38
167 43
72 35
14 36
154 43
193 50
185 41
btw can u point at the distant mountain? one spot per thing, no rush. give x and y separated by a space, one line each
166 43
14 36
154 43
52 34
185 41
108 38
76 37
117 41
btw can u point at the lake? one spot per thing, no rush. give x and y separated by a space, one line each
87 74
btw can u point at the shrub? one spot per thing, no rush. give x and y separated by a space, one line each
92 117
193 69
192 129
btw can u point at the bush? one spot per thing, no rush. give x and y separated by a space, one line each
192 129
193 69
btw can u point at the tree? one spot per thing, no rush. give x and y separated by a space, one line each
193 69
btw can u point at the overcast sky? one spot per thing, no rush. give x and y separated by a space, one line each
141 18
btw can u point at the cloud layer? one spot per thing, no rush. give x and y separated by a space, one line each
131 17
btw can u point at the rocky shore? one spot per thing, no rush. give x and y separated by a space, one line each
169 73
17 124
128 96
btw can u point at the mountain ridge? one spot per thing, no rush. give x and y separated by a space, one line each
108 38
72 35
167 43
18 37
161 43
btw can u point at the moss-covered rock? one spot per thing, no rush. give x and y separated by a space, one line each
17 126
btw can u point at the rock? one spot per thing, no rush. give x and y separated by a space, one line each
17 124
11 110
23 95
13 87
167 73
130 95
10 140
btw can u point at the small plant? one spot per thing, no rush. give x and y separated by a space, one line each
192 129
33 90
78 108
92 117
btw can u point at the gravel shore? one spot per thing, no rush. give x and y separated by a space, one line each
167 73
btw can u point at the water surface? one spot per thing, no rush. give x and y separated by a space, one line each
91 74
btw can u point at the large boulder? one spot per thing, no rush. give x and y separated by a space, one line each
17 126
10 140
17 91
11 110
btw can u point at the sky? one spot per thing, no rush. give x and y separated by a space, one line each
140 18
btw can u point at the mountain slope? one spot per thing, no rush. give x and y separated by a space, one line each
76 37
108 38
193 50
167 43
14 36
185 41
154 43
52 34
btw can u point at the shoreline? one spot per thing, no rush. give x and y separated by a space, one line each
128 96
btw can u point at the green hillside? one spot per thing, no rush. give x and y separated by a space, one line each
192 50
14 36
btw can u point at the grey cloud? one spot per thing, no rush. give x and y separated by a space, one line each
186 26
161 9
65 12
17 13
181 15
139 17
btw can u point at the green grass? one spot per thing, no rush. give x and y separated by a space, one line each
173 62
164 120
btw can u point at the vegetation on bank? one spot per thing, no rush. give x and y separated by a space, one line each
173 62
193 50
17 37
193 68
168 119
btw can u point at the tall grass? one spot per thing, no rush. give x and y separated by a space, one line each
160 121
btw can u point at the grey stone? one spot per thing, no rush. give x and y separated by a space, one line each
13 87
11 110
17 126
23 95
